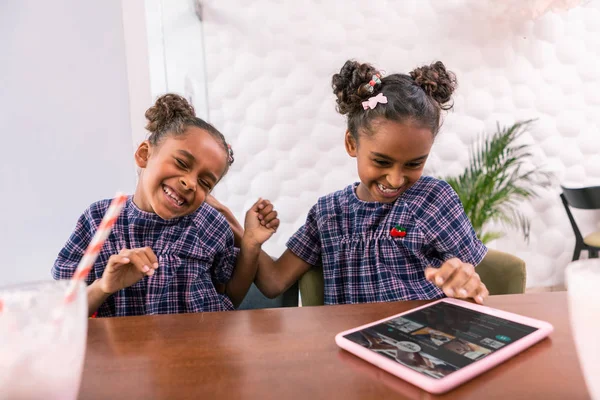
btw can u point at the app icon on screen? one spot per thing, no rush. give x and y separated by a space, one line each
503 338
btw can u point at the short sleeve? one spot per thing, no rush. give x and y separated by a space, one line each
224 260
306 242
449 229
72 252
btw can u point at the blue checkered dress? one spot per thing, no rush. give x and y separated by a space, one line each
191 250
361 260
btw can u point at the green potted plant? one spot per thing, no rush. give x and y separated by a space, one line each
499 177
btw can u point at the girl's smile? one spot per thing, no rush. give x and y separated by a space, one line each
387 192
173 198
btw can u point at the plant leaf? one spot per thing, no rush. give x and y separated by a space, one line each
499 177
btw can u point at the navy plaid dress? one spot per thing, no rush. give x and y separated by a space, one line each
361 260
191 250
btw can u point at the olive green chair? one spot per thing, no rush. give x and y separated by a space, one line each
501 272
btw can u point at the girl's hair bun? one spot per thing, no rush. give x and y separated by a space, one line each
166 110
436 81
350 85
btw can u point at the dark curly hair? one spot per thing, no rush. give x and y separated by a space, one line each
171 114
419 96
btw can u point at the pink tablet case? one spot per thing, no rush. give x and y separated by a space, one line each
464 374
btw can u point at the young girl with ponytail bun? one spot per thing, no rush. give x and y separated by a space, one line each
169 251
395 234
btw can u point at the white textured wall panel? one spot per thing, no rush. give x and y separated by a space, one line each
269 67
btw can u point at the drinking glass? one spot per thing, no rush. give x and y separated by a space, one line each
583 286
42 340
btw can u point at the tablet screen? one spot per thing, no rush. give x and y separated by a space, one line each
440 339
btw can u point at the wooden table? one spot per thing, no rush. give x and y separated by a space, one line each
290 353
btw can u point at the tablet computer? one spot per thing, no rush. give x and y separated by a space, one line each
443 344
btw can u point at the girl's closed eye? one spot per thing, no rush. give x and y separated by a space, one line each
205 184
415 165
180 163
382 163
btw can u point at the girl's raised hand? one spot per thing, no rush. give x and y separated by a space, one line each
261 222
127 268
458 279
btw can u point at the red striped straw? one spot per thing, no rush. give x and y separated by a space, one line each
91 253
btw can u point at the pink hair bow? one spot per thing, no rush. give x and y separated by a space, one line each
373 101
